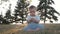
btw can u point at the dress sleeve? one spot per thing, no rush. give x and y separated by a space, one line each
28 18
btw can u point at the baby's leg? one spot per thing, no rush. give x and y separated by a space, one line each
37 29
30 30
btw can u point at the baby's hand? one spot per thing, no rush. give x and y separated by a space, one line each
33 19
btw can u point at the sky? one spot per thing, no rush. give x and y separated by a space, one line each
33 2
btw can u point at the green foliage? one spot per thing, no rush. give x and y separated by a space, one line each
3 21
7 19
47 11
21 10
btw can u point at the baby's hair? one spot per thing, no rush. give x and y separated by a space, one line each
31 7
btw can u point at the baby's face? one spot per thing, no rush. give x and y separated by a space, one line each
32 12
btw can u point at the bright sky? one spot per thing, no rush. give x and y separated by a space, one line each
34 2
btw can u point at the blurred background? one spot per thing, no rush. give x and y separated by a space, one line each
15 11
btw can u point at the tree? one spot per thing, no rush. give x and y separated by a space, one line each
8 16
47 11
21 10
2 20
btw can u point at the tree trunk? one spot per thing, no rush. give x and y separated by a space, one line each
45 12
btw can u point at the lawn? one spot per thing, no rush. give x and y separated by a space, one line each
16 29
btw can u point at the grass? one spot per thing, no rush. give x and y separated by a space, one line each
6 28
15 29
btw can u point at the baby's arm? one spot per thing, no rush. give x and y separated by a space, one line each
29 19
36 20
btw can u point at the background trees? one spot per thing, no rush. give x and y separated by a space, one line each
21 11
47 11
21 8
